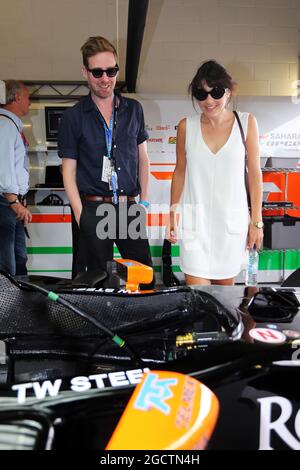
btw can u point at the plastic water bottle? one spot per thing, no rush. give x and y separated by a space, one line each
252 268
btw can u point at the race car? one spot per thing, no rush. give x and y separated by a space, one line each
71 357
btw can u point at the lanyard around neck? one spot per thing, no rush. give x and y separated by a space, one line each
110 131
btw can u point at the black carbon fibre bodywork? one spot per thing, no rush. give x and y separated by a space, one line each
64 383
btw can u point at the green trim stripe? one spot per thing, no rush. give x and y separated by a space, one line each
269 260
279 259
156 251
49 250
292 259
49 270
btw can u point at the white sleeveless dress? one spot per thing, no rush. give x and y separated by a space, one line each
214 211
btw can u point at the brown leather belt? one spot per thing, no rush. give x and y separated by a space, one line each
91 197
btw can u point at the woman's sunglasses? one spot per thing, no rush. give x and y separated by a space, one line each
110 72
216 93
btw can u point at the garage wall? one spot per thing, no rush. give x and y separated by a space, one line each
257 40
41 39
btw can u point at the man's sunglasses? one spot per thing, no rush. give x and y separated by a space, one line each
110 72
216 93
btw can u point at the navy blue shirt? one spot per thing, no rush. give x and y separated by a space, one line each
81 137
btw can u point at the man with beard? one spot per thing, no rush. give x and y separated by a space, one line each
102 141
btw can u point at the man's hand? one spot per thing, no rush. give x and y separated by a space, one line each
171 233
22 213
77 213
172 228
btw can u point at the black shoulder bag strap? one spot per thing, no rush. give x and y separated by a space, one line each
21 133
246 156
7 117
24 202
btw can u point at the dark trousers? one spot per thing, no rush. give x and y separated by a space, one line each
13 256
102 225
78 259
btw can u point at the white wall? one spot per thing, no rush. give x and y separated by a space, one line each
257 40
41 39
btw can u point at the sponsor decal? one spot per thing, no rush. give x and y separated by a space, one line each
285 135
154 394
266 335
166 127
282 139
155 140
276 414
81 383
102 290
172 140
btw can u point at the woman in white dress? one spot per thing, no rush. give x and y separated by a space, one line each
208 185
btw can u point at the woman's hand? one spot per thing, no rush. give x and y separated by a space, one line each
171 232
255 237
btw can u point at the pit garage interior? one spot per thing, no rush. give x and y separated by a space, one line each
160 44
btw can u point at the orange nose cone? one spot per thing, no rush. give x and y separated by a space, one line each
167 410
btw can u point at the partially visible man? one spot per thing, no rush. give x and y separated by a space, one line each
14 179
102 141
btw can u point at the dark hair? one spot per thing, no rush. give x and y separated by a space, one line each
214 74
94 45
